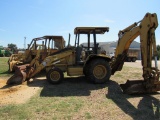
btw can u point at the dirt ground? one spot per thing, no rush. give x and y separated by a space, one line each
137 64
21 93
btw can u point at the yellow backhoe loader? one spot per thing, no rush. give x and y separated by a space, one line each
98 67
47 44
76 61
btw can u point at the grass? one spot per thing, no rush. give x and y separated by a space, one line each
77 99
4 67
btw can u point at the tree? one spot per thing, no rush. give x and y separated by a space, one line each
158 47
158 51
13 47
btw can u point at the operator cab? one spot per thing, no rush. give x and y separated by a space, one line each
82 52
47 44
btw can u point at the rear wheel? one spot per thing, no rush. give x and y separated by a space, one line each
55 76
128 59
98 71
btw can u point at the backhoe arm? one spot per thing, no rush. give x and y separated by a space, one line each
146 31
126 37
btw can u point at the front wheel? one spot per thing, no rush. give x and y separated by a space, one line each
55 76
98 71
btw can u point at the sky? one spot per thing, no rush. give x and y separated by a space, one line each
37 18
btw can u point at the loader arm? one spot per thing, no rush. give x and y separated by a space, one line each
24 73
49 61
146 31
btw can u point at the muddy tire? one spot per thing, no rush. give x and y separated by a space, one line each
128 59
98 71
55 76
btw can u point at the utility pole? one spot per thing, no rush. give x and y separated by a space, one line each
24 42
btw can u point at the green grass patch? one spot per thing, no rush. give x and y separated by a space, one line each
4 67
43 108
88 116
15 112
3 64
75 98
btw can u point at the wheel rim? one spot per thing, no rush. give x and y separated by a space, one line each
99 71
55 76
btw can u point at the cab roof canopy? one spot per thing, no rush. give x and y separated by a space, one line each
90 30
49 37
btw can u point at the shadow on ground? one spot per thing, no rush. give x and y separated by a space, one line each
71 86
147 109
6 72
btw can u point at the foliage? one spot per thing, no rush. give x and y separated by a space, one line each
158 51
158 47
13 47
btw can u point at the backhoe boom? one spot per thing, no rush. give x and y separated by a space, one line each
146 31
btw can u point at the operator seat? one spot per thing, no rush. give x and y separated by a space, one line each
78 56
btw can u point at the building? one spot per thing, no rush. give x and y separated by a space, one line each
110 47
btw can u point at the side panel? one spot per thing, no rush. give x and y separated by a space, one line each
75 71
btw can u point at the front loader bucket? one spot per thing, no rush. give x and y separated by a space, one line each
19 76
139 87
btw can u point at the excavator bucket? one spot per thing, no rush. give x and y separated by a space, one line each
19 76
133 87
139 87
150 84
